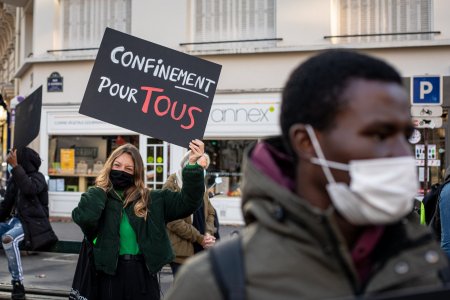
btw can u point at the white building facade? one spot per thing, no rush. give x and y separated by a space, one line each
257 42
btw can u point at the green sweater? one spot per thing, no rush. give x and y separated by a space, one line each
99 214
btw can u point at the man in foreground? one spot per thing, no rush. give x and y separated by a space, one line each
328 206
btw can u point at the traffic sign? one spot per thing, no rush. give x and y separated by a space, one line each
433 122
426 90
430 162
426 111
420 151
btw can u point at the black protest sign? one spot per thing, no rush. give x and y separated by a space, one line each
150 89
28 119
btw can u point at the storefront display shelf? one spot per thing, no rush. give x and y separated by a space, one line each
82 179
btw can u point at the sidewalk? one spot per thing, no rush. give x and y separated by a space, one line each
66 230
54 271
50 271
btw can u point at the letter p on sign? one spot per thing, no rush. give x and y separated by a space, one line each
426 90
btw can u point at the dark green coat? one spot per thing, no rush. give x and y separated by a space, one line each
99 215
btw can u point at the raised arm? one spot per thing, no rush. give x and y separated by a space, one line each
178 205
183 204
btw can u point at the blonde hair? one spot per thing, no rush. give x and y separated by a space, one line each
136 193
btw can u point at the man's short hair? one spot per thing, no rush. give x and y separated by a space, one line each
312 94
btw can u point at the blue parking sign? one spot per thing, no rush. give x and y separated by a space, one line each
426 90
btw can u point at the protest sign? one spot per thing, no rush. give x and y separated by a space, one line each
28 119
150 89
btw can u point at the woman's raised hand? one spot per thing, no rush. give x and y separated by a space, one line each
197 150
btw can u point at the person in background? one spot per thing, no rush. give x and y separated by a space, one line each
128 222
24 213
444 215
190 235
328 205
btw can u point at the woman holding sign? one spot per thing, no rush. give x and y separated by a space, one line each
126 222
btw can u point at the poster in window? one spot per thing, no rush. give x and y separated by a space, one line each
67 160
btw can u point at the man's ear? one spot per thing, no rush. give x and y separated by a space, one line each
300 142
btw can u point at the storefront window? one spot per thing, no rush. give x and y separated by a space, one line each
75 161
224 173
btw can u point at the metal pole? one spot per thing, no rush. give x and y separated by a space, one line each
425 174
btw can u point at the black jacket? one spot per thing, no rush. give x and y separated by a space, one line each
26 197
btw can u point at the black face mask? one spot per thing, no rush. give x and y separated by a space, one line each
121 179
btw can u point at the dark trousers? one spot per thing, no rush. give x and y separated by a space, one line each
174 266
131 282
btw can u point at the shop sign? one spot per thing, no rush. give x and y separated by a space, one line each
150 89
242 113
65 122
54 83
28 119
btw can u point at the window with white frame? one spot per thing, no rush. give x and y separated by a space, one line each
156 163
381 20
84 21
225 24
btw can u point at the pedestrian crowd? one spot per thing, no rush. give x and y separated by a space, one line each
328 205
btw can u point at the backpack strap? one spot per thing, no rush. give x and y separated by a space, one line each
227 261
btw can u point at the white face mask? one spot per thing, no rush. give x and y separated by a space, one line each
381 190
